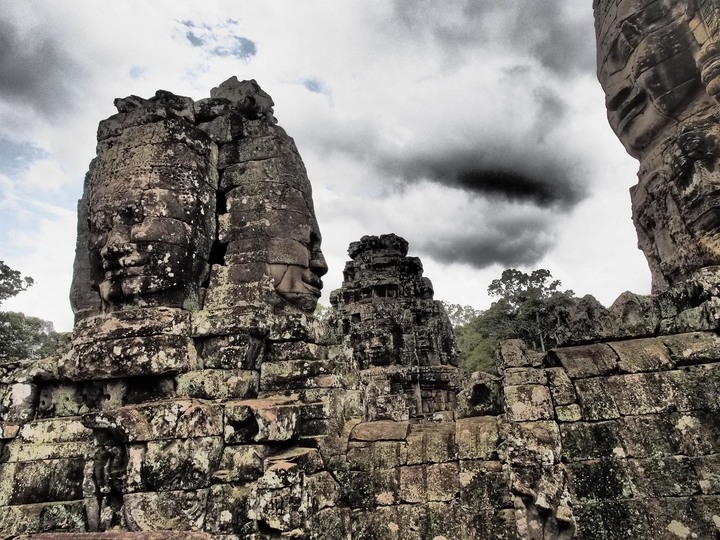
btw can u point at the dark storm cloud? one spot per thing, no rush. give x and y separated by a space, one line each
550 31
517 241
496 172
35 70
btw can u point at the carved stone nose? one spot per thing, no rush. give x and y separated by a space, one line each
117 245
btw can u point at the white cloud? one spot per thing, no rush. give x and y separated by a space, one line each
401 90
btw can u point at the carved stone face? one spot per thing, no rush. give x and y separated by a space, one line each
377 347
646 65
148 245
296 265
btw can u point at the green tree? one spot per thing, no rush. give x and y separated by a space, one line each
22 336
525 309
11 282
530 302
460 315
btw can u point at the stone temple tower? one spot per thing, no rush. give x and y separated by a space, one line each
402 341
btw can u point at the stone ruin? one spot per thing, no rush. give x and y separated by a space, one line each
199 398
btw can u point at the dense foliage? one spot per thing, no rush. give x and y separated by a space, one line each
525 309
22 336
25 337
460 315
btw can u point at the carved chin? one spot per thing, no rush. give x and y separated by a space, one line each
305 301
116 289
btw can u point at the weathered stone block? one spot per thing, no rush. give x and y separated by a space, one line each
699 433
693 348
524 376
568 413
597 480
276 499
20 451
165 510
382 430
400 522
377 455
261 420
667 476
254 149
222 129
55 431
647 435
586 360
642 393
477 437
19 403
697 387
28 482
177 419
479 396
307 460
241 463
528 443
138 322
227 509
431 444
592 440
707 472
129 357
76 399
295 350
296 374
330 524
235 351
8 431
148 535
638 355
37 518
682 517
561 387
448 521
484 484
513 353
218 384
528 402
595 399
181 463
321 491
495 524
609 520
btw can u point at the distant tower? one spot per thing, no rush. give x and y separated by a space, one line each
402 341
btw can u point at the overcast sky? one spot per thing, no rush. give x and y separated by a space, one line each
473 128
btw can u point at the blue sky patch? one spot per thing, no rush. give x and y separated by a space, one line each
16 157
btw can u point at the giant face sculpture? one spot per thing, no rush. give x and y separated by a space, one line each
271 230
646 65
296 264
151 223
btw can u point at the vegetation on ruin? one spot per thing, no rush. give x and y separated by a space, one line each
525 309
22 336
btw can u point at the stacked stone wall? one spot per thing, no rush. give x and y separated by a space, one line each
638 428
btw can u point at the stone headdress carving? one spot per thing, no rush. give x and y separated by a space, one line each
657 62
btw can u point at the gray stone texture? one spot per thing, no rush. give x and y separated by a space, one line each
210 404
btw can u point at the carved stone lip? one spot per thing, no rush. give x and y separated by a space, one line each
631 110
130 260
313 283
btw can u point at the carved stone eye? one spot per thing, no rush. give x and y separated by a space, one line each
631 32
